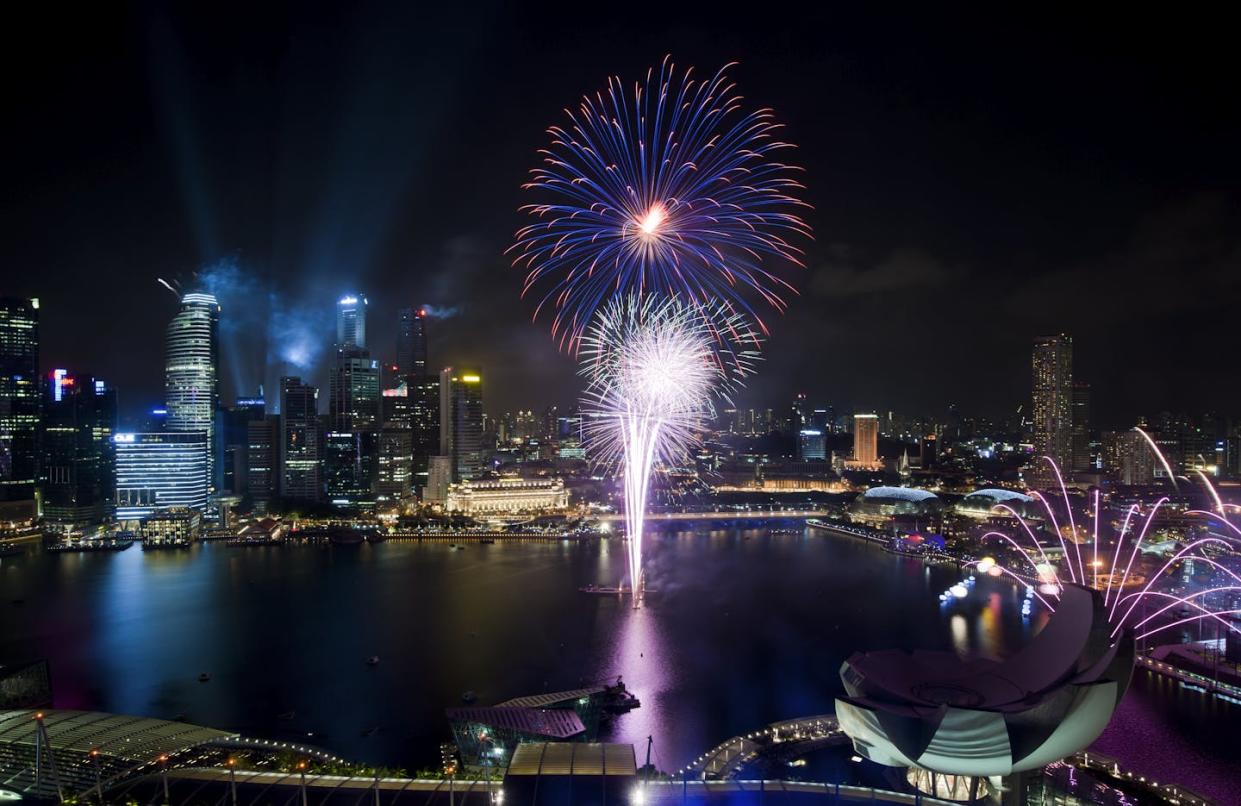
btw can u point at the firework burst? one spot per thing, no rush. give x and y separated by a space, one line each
671 189
654 367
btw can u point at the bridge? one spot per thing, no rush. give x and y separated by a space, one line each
716 515
792 737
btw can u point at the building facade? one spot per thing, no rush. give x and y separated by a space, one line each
865 442
158 471
507 496
19 398
301 441
411 342
77 473
1052 404
191 370
461 420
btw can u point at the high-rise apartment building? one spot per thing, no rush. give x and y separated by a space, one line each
191 371
19 398
301 441
77 473
1052 404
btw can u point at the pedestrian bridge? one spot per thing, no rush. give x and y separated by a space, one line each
790 738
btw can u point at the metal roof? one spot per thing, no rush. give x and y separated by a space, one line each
128 738
573 758
554 723
551 698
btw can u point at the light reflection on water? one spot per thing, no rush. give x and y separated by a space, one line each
747 628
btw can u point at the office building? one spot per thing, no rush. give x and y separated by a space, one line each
394 477
263 461
1052 405
461 421
300 441
349 468
78 467
439 477
411 342
424 392
191 370
811 445
19 399
1081 453
351 322
353 392
233 442
158 471
176 526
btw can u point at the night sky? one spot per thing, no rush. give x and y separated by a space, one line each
976 181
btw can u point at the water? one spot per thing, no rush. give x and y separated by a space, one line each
747 628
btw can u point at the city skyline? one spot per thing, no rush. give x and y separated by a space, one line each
1122 184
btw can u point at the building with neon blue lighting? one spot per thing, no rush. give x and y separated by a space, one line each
158 471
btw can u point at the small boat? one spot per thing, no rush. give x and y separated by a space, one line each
286 716
468 697
204 677
486 541
373 660
370 730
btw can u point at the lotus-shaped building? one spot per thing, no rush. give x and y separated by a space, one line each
976 717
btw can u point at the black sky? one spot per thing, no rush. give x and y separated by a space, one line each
976 180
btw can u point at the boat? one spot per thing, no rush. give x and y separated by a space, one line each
345 537
469 697
373 660
91 545
613 590
286 716
369 731
204 677
486 541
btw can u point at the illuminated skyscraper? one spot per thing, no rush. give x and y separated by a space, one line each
1081 453
158 471
811 444
263 460
353 392
191 369
19 398
351 322
78 470
866 440
1052 386
301 441
411 342
461 421
424 391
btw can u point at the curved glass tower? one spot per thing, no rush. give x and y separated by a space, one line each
191 373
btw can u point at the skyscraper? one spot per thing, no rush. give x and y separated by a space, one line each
78 468
1080 417
233 442
411 342
191 370
301 441
19 398
353 391
1052 404
866 440
158 471
263 460
811 444
461 421
351 322
424 393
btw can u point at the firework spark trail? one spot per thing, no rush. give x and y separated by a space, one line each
1122 606
675 191
654 366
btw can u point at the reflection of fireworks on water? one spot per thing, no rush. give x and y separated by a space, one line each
653 369
673 190
1113 567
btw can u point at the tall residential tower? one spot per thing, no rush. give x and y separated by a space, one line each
1052 405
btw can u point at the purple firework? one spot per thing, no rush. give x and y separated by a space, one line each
674 189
